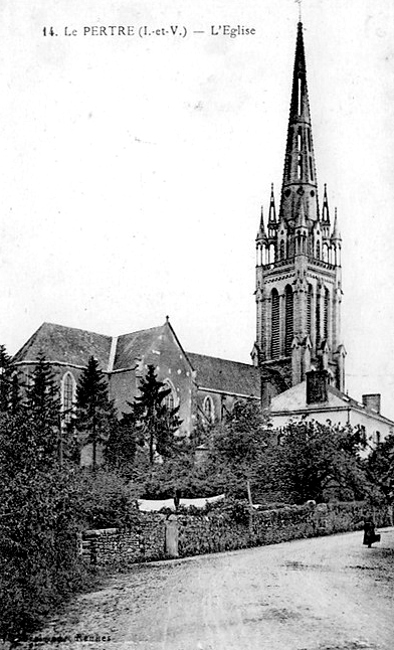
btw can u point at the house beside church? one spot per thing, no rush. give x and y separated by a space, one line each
317 399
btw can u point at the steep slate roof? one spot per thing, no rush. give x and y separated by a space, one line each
131 346
67 345
224 375
75 347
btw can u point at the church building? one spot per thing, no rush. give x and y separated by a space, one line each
298 368
205 388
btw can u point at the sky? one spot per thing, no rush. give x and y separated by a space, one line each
133 168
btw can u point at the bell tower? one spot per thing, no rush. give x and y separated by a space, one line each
298 264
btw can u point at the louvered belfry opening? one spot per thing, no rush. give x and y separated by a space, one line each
309 311
275 347
317 319
289 329
326 312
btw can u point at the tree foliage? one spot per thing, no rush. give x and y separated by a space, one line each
9 389
156 422
95 413
38 517
315 461
380 467
237 446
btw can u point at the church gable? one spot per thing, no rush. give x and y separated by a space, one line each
160 347
134 346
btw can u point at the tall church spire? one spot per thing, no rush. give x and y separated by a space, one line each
298 271
299 177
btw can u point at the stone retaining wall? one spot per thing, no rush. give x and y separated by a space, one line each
143 542
218 531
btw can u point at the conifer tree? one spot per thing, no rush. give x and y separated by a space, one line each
42 407
122 444
95 413
157 422
8 382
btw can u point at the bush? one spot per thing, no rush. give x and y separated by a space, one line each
105 499
39 562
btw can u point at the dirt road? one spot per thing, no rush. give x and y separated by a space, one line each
325 593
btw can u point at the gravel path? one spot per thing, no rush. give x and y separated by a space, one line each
327 593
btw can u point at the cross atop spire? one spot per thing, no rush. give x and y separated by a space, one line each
299 2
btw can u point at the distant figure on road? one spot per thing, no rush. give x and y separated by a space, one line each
369 532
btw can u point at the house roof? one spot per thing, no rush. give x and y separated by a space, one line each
294 401
226 376
66 345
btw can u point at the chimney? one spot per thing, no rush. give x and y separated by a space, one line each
372 402
316 386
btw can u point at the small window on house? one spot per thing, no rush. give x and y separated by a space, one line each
208 409
377 437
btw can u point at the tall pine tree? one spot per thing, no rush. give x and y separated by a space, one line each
9 392
95 413
42 406
157 422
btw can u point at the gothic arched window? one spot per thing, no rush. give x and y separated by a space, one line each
170 399
208 409
275 346
68 396
318 250
282 250
289 329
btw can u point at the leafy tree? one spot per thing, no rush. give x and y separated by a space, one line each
238 446
105 499
95 413
314 459
380 467
157 423
38 559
